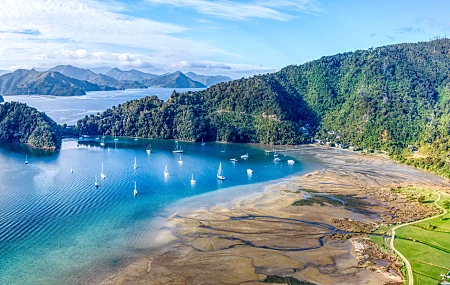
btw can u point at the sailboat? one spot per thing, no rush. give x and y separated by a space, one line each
275 154
166 173
245 156
177 149
179 159
26 159
96 182
102 174
115 137
192 179
219 173
135 191
102 143
149 149
203 143
135 165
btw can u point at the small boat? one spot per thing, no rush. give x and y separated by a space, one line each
245 156
180 161
135 191
222 151
26 159
220 173
249 171
149 149
166 173
233 160
276 159
177 148
71 170
203 143
102 174
291 162
192 179
275 154
96 182
135 164
80 137
102 143
97 138
135 139
115 137
268 151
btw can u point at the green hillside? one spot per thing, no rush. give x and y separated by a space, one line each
393 98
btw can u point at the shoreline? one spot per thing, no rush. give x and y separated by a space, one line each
231 234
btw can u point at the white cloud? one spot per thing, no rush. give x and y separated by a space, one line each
280 10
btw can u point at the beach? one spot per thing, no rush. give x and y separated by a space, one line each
277 232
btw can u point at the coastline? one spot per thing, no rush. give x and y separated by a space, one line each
258 235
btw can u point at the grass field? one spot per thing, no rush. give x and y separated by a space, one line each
426 245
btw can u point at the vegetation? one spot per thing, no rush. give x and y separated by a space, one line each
426 245
23 82
173 80
22 124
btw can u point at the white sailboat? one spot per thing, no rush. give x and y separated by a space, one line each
102 174
135 165
180 161
177 149
192 179
275 154
249 171
203 143
26 159
166 173
115 137
149 149
96 182
291 162
245 156
233 160
71 170
135 190
276 159
220 173
102 143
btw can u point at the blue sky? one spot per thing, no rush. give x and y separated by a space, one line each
229 37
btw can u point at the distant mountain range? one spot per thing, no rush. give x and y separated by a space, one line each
68 80
208 80
173 80
23 82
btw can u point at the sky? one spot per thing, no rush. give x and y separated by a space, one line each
226 37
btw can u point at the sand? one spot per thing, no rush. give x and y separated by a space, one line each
266 235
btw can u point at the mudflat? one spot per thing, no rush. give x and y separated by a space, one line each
312 228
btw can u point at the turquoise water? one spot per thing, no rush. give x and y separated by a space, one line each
57 228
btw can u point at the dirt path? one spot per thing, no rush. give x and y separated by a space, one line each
391 244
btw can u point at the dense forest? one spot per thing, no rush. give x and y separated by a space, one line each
393 99
22 124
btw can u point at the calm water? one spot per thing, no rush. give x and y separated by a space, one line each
57 228
70 109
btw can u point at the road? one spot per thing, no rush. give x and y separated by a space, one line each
391 244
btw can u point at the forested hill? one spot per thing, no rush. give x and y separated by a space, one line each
22 124
385 98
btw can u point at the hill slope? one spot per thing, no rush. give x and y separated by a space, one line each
208 80
22 82
129 75
104 81
22 124
394 98
173 80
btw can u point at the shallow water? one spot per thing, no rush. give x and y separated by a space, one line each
55 226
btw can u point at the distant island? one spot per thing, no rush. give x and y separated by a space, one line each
20 123
67 80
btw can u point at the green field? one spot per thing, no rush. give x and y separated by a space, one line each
426 245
